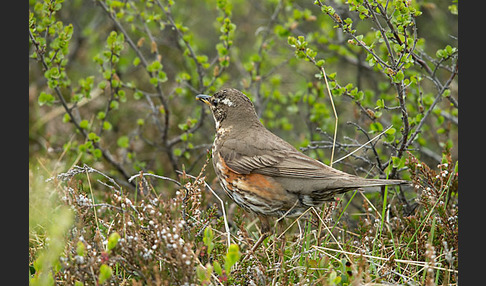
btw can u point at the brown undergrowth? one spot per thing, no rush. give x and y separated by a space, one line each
119 237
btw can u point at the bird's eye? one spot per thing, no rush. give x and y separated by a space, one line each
215 101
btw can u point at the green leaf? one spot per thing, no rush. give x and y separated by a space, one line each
137 95
97 153
391 131
105 273
184 137
201 273
334 279
114 104
376 127
399 77
102 84
112 241
398 162
208 238
320 63
123 141
232 257
281 31
107 125
380 103
204 275
162 76
92 136
183 126
101 115
446 93
154 66
45 98
453 9
82 148
359 96
177 152
84 124
154 81
328 9
80 248
53 73
292 41
217 268
66 118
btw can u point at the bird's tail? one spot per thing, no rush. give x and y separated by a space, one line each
363 183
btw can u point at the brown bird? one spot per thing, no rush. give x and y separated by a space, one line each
264 174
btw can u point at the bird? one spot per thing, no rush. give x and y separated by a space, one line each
263 173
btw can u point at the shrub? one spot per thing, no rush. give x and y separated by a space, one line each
369 87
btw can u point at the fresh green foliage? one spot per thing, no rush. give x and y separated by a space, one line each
208 239
105 273
112 241
112 86
49 221
231 257
180 240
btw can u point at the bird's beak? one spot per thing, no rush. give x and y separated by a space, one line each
204 98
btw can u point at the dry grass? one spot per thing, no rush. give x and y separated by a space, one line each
358 240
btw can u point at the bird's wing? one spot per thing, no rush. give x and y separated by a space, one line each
298 165
274 158
245 157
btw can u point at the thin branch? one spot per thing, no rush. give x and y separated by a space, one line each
438 97
337 19
226 225
368 142
382 32
406 125
192 54
105 153
160 94
258 64
122 30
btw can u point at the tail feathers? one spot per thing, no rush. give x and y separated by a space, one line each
362 183
319 196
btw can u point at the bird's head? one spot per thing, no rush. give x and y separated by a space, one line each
230 106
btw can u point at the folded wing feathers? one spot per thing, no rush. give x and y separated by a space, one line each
295 165
246 164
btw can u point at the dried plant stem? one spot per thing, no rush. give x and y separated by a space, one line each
411 262
328 230
335 114
92 198
359 148
226 225
324 75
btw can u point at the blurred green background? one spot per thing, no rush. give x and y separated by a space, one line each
144 117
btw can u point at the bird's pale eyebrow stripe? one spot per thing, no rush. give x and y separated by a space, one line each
227 102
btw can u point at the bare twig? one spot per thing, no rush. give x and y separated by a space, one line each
200 70
438 97
160 94
105 153
155 176
324 75
226 225
366 143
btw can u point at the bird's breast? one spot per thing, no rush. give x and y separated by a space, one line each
254 192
